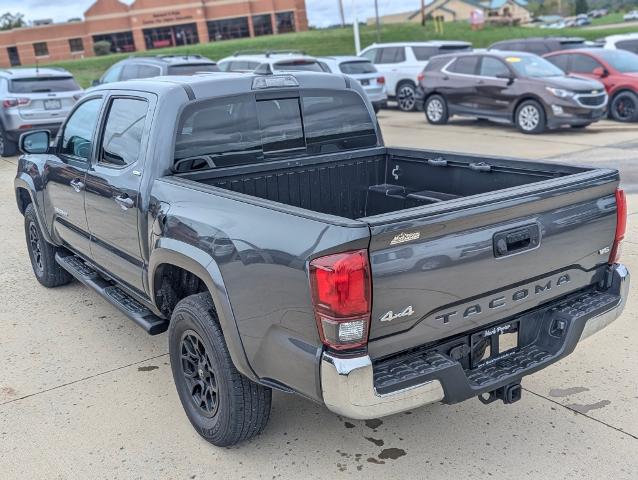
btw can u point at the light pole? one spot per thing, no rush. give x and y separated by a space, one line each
376 13
355 28
343 18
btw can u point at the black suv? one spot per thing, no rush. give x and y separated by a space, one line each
155 66
509 87
539 45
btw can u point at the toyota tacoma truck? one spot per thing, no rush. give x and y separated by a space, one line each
261 221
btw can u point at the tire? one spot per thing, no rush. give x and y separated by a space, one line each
376 107
530 117
406 96
232 408
624 107
580 127
42 254
8 148
436 111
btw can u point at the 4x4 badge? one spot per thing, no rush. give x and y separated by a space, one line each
407 311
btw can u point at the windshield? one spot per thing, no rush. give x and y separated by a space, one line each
621 60
192 68
298 65
43 85
357 67
533 66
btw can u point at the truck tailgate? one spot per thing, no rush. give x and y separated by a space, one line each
455 266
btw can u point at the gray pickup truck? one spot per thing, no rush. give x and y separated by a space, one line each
264 224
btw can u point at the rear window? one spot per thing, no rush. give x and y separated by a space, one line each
465 65
43 85
358 67
192 68
298 65
239 130
424 53
630 45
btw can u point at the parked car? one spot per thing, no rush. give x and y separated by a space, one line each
598 13
631 16
625 41
509 87
155 66
616 69
249 214
364 72
32 99
582 20
269 61
401 63
539 45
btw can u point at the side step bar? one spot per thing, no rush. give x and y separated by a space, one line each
113 294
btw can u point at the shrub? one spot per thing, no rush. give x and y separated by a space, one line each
102 48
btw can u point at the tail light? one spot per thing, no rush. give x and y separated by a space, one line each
341 293
14 102
381 80
621 225
420 77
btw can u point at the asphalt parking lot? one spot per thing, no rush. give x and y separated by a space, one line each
85 394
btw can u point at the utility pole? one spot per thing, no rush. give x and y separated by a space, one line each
343 18
355 29
423 13
376 12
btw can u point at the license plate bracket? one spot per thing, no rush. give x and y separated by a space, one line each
365 83
494 343
52 104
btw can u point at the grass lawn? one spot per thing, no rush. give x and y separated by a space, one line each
609 19
334 42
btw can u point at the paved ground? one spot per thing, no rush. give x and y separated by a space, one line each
84 394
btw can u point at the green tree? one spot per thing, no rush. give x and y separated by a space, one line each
9 20
581 7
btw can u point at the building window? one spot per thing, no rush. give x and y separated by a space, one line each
228 28
171 36
14 56
120 41
76 45
262 25
41 49
285 22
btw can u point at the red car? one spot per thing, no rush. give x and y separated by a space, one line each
616 69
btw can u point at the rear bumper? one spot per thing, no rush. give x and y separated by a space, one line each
14 135
356 388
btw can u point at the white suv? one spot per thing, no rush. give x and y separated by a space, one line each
401 64
626 41
267 62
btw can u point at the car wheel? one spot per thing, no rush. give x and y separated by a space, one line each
7 147
406 96
376 107
436 111
530 117
580 127
42 254
222 405
624 107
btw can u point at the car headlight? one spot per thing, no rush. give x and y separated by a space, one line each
560 93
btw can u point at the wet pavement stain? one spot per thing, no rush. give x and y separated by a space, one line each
392 453
349 425
147 369
374 460
586 408
377 442
566 392
373 423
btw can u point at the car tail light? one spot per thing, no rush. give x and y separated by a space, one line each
621 225
420 77
381 80
341 294
14 102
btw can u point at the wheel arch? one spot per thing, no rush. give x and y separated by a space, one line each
525 98
25 193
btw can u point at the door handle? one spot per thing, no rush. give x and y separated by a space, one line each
124 201
77 184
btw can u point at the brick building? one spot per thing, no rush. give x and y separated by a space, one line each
150 24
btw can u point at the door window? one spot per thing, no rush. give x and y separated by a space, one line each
370 55
423 54
79 130
493 67
465 65
122 136
561 61
392 55
112 75
132 71
583 64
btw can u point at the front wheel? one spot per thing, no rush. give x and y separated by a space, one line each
406 96
223 406
624 107
530 117
436 111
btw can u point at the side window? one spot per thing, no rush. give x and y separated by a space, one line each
224 66
493 67
147 71
391 55
423 54
370 55
561 61
583 64
465 65
539 48
630 45
112 75
122 136
129 72
79 130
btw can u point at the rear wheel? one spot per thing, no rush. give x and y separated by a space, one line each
406 96
436 111
530 117
222 405
580 127
624 107
7 147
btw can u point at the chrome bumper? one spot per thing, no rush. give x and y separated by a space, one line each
347 383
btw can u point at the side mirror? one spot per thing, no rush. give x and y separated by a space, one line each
95 82
506 76
35 142
600 72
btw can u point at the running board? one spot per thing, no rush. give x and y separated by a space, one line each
117 297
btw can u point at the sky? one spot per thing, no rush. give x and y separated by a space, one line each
321 13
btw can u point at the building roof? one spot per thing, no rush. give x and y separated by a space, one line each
489 4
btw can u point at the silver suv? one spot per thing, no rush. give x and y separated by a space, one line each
269 61
33 99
